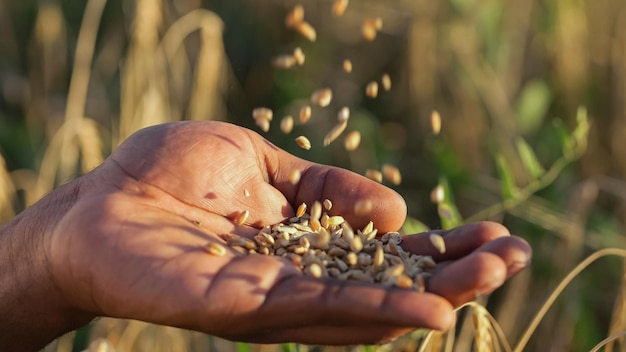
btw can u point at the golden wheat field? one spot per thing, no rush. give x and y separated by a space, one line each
511 111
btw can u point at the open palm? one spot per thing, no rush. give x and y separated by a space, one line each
133 244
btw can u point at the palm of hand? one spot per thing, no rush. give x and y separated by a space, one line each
134 241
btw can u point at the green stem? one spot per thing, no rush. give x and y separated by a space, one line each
531 188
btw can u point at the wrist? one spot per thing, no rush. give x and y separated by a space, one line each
33 310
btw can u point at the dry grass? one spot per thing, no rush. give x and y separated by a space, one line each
7 193
618 320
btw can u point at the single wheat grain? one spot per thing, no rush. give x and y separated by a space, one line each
392 174
352 140
371 90
286 124
339 7
303 142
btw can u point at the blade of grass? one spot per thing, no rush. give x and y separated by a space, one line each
607 340
557 291
529 159
243 347
507 181
572 151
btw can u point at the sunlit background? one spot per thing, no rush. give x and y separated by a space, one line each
511 80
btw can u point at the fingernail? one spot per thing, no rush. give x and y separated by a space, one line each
515 267
489 287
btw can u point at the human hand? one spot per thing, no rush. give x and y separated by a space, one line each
132 244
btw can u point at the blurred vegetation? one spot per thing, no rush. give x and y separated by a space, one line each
507 77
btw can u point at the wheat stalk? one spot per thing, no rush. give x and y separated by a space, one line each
618 322
206 96
144 99
483 341
62 153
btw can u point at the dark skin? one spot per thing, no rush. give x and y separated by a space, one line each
126 240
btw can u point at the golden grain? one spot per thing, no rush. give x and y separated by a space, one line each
363 207
304 242
316 211
335 221
392 174
315 224
356 244
294 176
306 30
371 90
242 217
437 195
339 7
369 32
263 124
264 240
262 113
303 142
352 259
301 210
404 281
215 249
286 124
237 241
324 220
314 270
295 259
262 117
368 236
368 228
438 242
374 175
328 204
298 56
346 231
246 193
343 114
337 252
347 65
284 61
322 97
392 248
370 28
435 122
386 82
393 271
352 141
335 132
321 239
379 256
305 114
295 16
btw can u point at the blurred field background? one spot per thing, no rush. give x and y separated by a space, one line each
507 77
